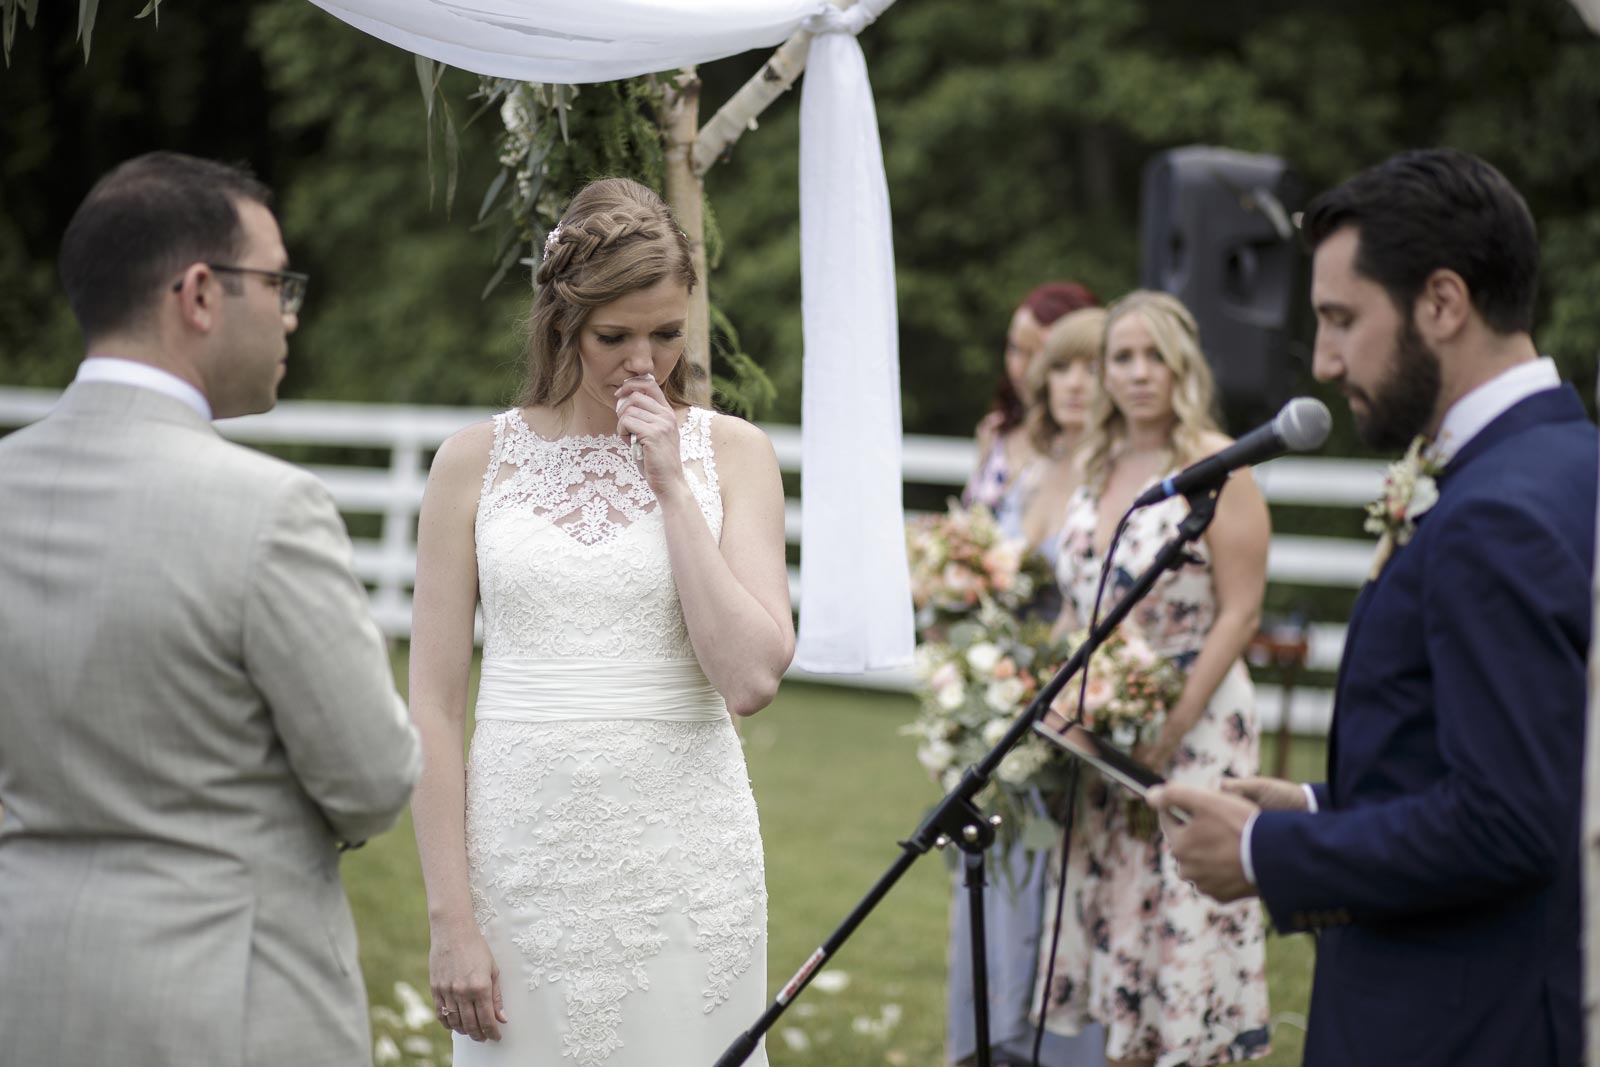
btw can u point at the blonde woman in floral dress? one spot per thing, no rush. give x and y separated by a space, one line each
1173 976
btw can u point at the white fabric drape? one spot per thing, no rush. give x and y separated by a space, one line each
574 41
855 591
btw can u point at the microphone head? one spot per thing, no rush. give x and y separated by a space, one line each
1303 424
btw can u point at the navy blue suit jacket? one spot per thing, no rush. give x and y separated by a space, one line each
1442 872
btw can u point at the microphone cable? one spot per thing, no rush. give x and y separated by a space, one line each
1072 789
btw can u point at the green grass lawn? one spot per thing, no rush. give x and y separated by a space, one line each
837 787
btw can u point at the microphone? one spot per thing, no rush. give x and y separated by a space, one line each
1301 426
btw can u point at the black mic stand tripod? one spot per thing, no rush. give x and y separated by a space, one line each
957 820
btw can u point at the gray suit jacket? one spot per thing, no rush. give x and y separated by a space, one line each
195 709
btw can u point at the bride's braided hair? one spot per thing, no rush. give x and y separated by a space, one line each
617 237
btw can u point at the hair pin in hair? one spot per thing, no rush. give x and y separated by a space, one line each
551 239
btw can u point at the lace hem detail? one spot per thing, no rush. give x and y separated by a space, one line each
582 836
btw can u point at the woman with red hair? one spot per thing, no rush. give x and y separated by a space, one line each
1003 447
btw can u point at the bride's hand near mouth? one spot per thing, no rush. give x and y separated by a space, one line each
646 418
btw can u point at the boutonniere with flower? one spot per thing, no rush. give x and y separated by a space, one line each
1410 488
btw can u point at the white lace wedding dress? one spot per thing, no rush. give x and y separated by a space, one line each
612 841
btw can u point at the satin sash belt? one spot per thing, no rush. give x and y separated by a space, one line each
527 689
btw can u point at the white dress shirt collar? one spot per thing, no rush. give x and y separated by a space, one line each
1468 416
144 376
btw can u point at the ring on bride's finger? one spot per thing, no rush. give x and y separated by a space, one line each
445 1013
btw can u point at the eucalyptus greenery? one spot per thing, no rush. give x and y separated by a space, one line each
542 164
87 10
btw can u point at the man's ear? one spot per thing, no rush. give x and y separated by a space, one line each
197 293
1443 307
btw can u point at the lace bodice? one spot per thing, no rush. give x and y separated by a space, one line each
572 552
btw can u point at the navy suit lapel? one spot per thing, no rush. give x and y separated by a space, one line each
1547 406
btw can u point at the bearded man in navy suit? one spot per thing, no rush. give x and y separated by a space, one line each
1439 863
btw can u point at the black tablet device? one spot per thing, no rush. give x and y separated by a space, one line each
1107 759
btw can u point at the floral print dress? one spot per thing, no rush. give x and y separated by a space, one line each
1173 975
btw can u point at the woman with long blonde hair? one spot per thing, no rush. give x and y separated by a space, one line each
1174 977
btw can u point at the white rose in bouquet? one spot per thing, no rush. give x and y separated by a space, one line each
1020 764
1004 694
950 697
994 730
982 657
936 756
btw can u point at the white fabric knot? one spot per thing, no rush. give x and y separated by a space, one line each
851 20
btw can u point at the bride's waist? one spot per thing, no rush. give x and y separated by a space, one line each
534 689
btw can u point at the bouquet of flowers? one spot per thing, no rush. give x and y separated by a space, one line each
1126 697
974 684
1129 688
959 561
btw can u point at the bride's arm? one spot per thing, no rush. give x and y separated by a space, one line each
461 970
735 593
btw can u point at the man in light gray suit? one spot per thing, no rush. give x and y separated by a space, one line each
195 706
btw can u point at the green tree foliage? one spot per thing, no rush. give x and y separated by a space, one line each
1013 144
333 120
1014 132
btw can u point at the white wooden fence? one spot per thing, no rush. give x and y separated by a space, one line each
409 433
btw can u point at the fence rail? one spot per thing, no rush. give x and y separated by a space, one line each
409 433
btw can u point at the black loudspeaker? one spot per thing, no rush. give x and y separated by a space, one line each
1216 231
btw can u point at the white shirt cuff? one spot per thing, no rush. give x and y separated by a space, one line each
1244 848
1250 824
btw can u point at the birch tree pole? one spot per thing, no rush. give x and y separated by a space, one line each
690 152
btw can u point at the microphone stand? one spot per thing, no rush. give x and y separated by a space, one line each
957 820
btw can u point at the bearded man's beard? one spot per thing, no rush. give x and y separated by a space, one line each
1404 404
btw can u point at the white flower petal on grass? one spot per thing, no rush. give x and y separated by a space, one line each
384 1050
880 1028
795 1039
832 981
416 1012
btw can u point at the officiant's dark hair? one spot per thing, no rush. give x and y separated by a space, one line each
616 238
1438 209
142 225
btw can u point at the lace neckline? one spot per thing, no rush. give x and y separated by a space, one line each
588 485
519 418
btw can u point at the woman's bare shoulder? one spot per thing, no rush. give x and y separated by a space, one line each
742 448
464 455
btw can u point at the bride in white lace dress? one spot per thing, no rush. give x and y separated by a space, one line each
594 868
